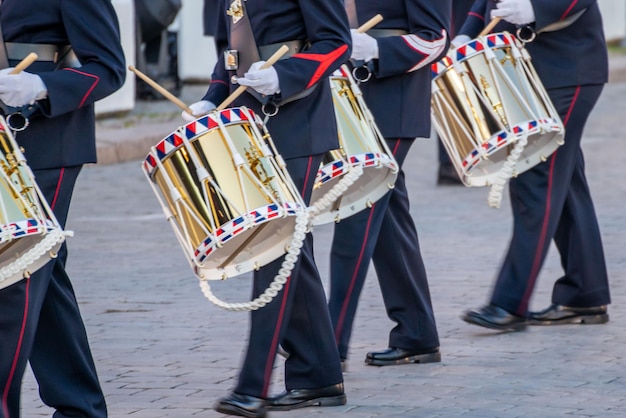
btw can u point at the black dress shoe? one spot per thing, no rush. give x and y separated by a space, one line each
559 314
299 398
494 317
394 355
241 406
447 176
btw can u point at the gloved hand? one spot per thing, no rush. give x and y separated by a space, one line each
21 89
264 81
518 12
364 47
199 108
460 40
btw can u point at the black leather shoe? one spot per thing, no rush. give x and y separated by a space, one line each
494 317
447 176
394 355
241 406
299 398
559 314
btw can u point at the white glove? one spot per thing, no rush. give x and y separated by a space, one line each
21 89
199 108
517 12
264 81
460 40
364 47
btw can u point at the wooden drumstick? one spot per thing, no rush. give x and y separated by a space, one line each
161 90
370 24
21 66
271 61
490 26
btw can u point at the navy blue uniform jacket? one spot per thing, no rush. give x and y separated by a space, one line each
568 57
460 9
305 126
399 95
63 133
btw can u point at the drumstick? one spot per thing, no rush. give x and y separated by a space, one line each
271 61
490 26
161 90
370 24
21 66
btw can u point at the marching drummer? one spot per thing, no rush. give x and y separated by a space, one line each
397 55
80 60
295 90
551 201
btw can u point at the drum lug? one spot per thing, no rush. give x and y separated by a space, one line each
543 158
369 204
26 274
391 186
52 254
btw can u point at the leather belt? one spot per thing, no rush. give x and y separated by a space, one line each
383 33
266 51
63 55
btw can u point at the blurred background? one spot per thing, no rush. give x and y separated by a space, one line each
171 41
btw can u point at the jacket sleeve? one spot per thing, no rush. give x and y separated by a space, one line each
93 31
476 19
328 33
426 42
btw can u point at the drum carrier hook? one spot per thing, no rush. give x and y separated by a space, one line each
17 118
526 34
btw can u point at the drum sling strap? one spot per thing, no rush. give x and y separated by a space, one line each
353 19
552 27
243 43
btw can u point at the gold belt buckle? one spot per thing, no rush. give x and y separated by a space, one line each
231 59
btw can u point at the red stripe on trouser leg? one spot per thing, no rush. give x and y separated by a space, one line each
344 307
546 219
269 364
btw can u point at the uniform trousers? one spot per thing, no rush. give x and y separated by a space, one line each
40 322
549 202
385 234
297 317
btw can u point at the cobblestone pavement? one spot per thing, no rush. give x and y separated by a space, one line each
163 350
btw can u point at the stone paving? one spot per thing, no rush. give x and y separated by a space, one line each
163 350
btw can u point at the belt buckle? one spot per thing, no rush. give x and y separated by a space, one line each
231 59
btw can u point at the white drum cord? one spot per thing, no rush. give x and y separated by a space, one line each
293 251
506 172
303 221
20 265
